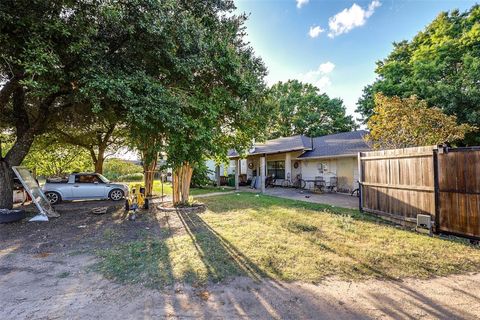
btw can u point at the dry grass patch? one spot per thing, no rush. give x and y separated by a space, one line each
263 236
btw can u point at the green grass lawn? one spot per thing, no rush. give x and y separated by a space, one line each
269 237
167 188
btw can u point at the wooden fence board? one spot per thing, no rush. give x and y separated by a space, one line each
397 182
401 183
459 181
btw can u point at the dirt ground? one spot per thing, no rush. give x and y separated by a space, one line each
45 274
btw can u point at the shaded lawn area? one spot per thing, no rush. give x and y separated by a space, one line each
167 188
264 236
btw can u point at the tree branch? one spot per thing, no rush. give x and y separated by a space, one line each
5 94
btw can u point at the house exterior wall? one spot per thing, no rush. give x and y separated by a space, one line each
225 170
211 167
347 172
345 169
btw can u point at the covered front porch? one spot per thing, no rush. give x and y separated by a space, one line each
261 170
289 169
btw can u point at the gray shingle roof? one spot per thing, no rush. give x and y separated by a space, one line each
344 143
284 144
338 144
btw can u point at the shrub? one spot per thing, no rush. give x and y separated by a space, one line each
131 177
200 175
115 169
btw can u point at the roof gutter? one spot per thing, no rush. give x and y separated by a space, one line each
329 156
275 152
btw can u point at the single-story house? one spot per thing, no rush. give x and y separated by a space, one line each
302 157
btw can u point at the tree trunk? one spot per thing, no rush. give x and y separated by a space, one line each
14 157
149 175
182 177
98 159
6 186
99 165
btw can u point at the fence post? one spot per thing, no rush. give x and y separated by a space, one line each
360 180
437 190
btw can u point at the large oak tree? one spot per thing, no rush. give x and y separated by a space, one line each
169 68
440 65
300 108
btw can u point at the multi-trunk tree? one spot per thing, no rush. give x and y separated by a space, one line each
217 104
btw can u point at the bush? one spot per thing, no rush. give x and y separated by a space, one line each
200 175
116 169
131 177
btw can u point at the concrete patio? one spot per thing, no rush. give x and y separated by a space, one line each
334 199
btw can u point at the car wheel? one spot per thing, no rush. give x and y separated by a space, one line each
116 195
53 197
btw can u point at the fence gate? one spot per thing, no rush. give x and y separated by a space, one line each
457 195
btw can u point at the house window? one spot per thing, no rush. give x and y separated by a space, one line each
276 169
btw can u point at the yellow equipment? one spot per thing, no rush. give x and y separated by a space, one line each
136 199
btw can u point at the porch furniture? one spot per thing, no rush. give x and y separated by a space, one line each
223 181
270 182
319 184
243 181
332 186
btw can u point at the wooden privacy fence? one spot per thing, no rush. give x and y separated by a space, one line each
441 182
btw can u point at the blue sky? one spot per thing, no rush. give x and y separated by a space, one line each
334 44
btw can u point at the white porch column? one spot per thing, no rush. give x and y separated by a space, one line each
262 174
288 165
237 173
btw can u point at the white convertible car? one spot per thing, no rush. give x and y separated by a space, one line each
84 186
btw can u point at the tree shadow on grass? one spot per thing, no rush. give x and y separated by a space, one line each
220 256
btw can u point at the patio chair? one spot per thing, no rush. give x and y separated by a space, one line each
332 187
270 182
319 184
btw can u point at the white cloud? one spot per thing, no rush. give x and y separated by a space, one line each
350 18
301 3
315 31
326 67
319 77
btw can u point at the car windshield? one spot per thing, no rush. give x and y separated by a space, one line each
105 180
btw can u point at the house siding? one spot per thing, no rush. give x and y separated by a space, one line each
344 168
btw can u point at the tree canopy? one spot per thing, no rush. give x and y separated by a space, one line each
49 158
299 108
409 122
440 65
178 73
